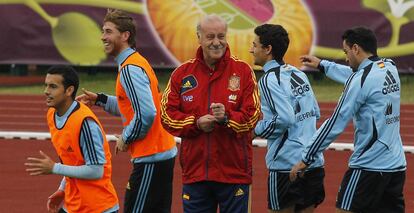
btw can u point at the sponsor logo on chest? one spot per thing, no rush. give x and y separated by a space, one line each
187 98
298 85
390 84
188 83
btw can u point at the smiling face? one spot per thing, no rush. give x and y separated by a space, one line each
261 54
114 41
56 95
212 39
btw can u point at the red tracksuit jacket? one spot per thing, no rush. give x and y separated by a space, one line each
225 154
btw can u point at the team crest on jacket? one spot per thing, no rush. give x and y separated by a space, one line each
188 83
234 83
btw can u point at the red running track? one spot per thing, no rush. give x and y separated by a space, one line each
22 193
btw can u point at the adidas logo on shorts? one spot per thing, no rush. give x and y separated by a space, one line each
239 192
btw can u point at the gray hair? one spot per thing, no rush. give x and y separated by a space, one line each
210 18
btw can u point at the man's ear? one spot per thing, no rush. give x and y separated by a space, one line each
268 49
356 48
125 36
199 37
69 91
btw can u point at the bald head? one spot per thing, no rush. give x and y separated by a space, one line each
209 20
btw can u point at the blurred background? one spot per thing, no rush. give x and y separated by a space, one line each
46 32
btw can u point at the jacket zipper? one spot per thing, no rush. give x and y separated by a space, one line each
245 157
208 134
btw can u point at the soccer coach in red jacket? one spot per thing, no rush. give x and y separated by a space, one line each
212 103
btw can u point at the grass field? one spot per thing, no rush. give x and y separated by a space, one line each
326 90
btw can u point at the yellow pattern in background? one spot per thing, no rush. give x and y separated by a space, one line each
175 22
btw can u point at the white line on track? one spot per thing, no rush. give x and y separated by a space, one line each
256 142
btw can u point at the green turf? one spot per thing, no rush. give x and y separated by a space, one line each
326 90
102 82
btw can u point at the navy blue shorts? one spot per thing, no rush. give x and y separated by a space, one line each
368 191
207 196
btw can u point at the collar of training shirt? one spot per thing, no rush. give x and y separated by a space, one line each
123 56
272 64
367 62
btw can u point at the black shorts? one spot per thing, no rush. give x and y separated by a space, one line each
368 191
313 188
281 192
149 187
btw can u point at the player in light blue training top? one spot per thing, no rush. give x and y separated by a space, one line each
375 179
289 119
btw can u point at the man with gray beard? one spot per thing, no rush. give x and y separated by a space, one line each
212 103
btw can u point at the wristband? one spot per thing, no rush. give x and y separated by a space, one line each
320 67
101 99
224 122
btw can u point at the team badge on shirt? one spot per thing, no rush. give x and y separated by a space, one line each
188 83
234 82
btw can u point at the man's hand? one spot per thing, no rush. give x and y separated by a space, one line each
55 201
120 145
206 123
298 168
310 61
88 98
219 111
253 134
39 166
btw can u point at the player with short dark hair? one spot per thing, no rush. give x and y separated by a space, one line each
81 145
137 101
375 179
290 111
